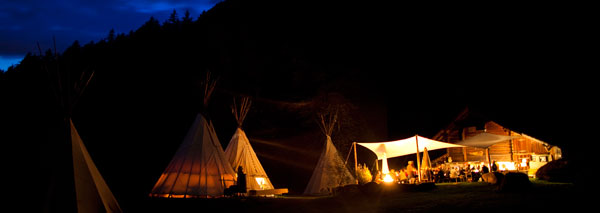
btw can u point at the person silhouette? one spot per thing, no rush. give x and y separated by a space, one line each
241 180
485 169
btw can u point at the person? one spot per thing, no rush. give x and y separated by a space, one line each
410 169
494 166
454 174
241 180
440 175
403 176
431 175
462 174
485 169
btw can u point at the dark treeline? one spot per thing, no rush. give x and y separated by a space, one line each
397 70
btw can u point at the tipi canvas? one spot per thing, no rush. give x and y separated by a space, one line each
330 171
199 168
239 152
93 195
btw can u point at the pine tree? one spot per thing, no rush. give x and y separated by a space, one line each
111 35
173 18
187 18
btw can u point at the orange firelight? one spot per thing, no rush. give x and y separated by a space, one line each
387 178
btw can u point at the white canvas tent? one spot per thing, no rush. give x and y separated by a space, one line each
91 191
485 140
239 152
93 195
405 146
330 171
412 145
199 168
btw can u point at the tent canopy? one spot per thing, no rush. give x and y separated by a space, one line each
485 140
405 146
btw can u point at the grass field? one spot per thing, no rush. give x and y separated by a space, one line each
446 197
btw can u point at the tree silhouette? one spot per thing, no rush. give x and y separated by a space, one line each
111 35
173 18
187 17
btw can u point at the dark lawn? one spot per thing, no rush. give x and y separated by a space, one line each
447 197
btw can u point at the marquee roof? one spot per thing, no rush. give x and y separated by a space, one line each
405 146
485 140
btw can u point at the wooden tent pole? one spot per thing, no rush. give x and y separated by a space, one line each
511 143
487 151
418 157
355 163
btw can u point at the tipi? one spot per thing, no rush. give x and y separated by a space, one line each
199 168
239 152
330 171
89 184
91 191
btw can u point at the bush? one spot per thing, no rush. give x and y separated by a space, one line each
364 175
558 171
493 178
347 189
370 188
515 181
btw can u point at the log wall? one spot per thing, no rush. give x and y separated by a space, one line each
511 150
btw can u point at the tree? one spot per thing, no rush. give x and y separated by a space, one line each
151 25
187 18
111 35
173 19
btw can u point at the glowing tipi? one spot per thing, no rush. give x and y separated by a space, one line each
199 168
239 152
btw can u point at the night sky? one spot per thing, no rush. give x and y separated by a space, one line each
25 22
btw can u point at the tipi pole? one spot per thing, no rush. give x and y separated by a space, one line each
418 157
487 151
355 163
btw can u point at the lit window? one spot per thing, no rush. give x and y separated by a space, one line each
506 166
261 182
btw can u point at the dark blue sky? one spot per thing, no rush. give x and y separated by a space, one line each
25 22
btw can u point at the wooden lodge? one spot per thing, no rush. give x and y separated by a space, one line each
523 153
